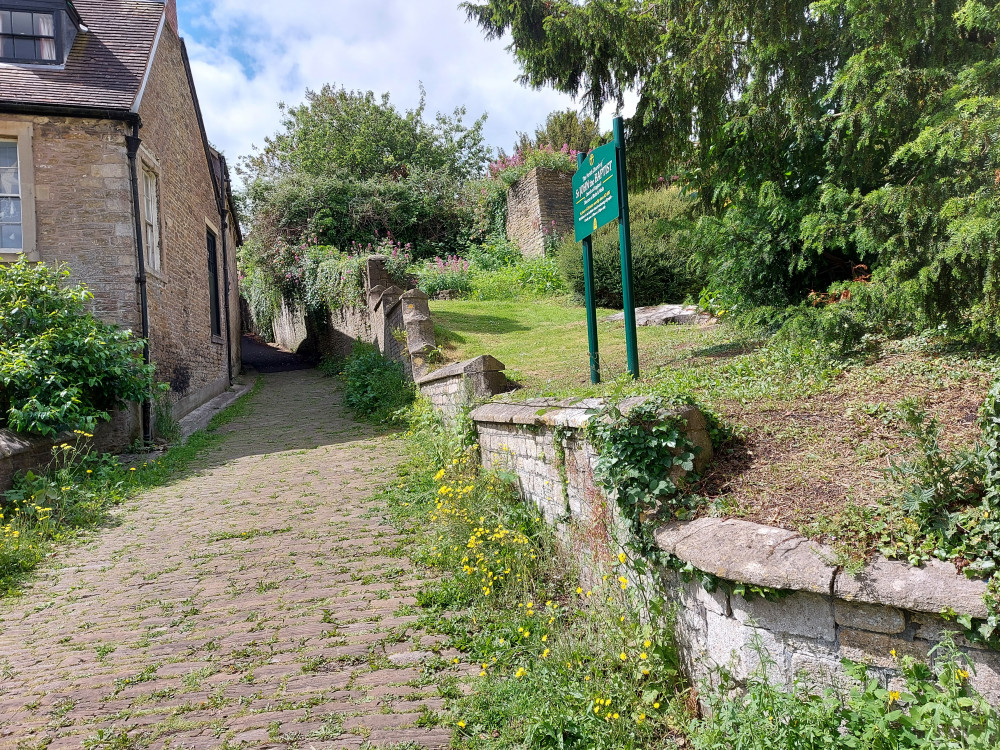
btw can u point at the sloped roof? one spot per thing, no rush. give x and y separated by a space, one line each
106 66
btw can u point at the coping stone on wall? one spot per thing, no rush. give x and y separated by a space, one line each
932 588
485 363
781 559
749 553
576 413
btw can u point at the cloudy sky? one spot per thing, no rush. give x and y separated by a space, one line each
248 55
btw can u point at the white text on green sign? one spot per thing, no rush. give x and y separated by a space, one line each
595 191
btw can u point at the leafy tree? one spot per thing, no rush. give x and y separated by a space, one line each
356 134
819 135
60 368
347 166
563 128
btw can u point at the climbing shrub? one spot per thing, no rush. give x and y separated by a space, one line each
375 388
643 464
61 368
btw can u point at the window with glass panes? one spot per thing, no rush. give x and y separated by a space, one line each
152 219
27 36
11 235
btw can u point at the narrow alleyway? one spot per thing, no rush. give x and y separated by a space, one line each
260 602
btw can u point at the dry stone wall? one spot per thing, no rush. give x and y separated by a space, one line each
539 203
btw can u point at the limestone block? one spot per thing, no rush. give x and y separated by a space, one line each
733 645
986 675
876 648
932 588
869 617
804 614
749 553
819 670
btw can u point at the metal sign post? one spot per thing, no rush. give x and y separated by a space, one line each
588 290
625 240
600 195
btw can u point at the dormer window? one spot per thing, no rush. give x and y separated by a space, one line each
37 32
27 36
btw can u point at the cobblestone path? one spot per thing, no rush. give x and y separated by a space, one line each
260 602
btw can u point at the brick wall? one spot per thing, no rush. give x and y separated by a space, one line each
540 202
186 353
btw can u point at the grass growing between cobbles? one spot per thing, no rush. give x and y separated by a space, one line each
555 662
79 490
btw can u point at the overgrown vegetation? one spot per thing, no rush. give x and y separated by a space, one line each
60 368
560 665
836 146
934 708
77 491
375 388
563 665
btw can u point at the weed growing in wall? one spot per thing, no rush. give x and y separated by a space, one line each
933 707
644 462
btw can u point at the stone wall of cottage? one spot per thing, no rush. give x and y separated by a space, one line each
187 355
83 209
538 204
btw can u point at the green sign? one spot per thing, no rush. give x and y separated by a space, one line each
595 191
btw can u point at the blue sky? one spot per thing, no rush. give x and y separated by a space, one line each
247 55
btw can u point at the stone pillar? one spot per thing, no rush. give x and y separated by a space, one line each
419 330
380 317
376 273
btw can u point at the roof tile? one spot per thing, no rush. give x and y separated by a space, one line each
106 66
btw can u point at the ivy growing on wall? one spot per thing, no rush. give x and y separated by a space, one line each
644 464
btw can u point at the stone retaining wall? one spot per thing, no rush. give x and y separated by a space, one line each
819 615
398 323
543 442
463 384
825 616
21 453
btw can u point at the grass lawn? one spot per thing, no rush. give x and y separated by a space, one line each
813 436
544 342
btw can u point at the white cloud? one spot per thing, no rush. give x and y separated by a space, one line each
248 56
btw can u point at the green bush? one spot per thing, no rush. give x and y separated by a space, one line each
526 278
60 368
376 388
664 268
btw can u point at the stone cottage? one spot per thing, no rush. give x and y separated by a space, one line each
105 166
